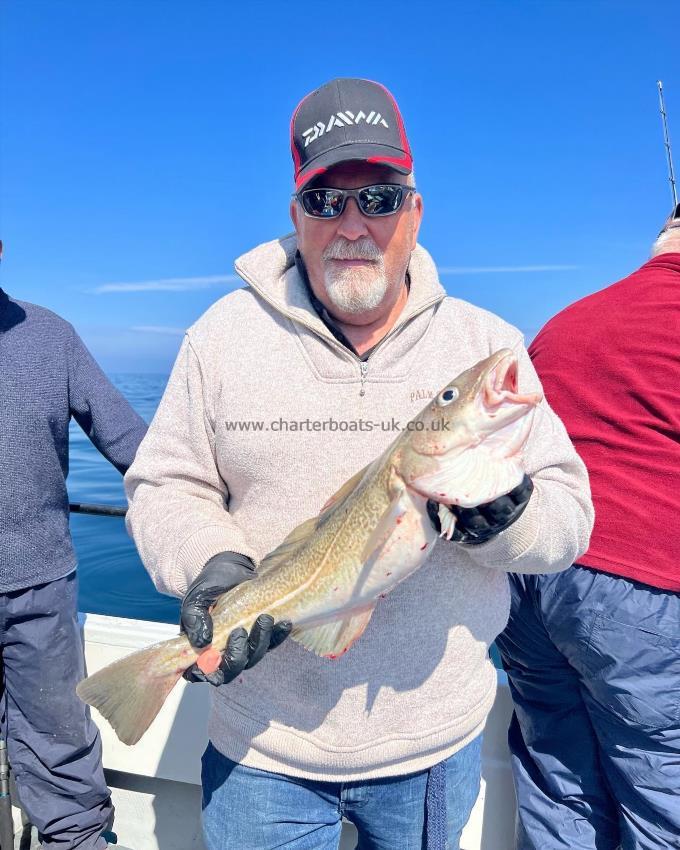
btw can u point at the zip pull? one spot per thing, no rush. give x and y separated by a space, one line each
364 369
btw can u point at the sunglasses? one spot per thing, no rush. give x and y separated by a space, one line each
379 200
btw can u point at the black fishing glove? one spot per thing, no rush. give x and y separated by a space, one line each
480 524
222 573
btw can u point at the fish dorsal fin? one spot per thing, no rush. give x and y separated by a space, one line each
335 637
285 551
301 533
343 492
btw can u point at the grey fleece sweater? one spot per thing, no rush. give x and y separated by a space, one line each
233 461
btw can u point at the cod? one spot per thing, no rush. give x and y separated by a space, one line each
464 448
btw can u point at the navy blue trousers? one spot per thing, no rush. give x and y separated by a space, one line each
593 662
54 747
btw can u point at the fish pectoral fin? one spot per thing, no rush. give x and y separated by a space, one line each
386 525
335 637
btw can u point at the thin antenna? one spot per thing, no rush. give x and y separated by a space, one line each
667 144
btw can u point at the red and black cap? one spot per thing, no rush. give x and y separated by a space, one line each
347 119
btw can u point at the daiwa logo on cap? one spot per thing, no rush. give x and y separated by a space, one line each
347 119
343 119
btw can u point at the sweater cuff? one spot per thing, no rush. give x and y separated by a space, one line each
199 548
514 542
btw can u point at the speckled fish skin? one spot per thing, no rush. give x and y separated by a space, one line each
463 448
372 538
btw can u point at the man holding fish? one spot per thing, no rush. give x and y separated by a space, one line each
344 319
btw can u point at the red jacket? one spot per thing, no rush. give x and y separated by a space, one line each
610 367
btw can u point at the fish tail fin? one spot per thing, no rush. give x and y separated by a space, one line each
129 693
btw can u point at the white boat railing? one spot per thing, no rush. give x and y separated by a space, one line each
156 783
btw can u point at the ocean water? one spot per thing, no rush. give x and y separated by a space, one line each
112 578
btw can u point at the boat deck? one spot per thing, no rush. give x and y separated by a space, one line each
156 783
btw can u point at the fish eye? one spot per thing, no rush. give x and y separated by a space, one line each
447 396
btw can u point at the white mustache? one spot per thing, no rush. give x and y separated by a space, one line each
360 249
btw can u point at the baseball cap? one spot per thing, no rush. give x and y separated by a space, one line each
672 221
347 119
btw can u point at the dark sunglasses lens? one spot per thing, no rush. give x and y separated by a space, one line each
381 200
676 214
322 203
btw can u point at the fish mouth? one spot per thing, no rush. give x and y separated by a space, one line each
507 441
509 414
500 387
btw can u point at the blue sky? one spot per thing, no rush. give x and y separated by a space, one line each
147 141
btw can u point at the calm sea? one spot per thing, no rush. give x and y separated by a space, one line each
112 578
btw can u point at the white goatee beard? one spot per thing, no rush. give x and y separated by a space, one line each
360 288
356 290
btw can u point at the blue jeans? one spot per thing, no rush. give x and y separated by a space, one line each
254 809
593 662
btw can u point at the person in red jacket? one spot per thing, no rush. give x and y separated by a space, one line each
593 653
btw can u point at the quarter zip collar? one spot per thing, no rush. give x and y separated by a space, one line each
270 269
323 313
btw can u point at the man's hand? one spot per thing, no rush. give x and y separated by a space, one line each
222 573
480 524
